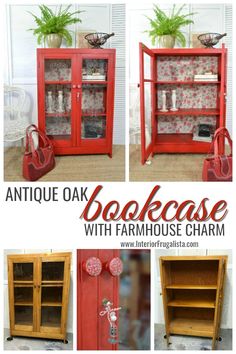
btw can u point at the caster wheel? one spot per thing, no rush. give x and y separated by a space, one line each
65 341
9 338
165 336
219 339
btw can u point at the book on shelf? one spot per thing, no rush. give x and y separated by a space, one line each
206 77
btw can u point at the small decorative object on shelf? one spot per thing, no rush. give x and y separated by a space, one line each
49 102
163 96
60 102
96 40
209 40
173 99
203 132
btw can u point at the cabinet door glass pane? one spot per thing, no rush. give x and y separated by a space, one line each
58 111
23 271
24 315
51 294
94 109
52 271
57 70
148 112
23 295
51 316
94 69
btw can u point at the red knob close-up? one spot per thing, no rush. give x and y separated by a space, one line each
115 266
92 266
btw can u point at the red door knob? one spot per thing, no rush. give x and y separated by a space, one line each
92 266
115 266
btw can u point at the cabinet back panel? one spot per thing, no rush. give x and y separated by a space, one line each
193 295
193 272
192 313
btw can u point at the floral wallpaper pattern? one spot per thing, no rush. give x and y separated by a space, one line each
172 68
182 124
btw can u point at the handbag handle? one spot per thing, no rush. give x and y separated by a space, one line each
30 143
221 132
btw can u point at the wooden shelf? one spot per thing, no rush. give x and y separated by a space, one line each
191 326
65 114
191 287
52 282
51 303
174 82
178 139
94 82
51 82
190 112
23 303
191 303
93 114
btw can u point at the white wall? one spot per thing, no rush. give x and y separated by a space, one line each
226 319
5 284
20 52
209 18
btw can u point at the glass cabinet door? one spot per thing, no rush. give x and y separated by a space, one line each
23 294
94 98
57 79
52 283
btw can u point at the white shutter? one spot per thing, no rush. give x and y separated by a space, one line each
228 43
118 42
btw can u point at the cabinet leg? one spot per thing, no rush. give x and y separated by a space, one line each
167 337
65 341
9 338
110 155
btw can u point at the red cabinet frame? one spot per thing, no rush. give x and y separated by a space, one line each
92 329
177 143
74 143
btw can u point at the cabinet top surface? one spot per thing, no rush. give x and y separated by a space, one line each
76 50
193 258
187 51
30 255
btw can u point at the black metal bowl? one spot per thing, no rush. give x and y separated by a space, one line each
210 39
98 39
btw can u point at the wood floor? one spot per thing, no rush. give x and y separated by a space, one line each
72 168
166 167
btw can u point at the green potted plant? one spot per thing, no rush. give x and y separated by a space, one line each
167 28
51 26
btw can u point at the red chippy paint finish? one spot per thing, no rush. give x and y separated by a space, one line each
76 145
93 266
115 266
92 329
179 142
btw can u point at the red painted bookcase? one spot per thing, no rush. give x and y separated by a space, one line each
198 102
76 99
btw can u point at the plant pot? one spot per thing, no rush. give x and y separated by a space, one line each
53 40
167 41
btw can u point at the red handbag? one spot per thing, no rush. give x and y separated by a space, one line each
218 167
37 162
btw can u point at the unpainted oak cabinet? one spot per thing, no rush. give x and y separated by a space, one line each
192 290
76 99
38 286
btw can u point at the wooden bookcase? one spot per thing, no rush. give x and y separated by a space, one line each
192 290
198 102
38 286
76 99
